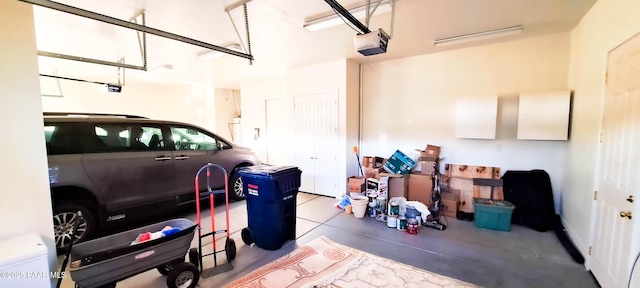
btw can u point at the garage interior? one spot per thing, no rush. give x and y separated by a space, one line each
403 100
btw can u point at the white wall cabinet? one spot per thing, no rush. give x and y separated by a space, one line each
544 116
476 117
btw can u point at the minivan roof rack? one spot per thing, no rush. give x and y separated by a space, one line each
92 114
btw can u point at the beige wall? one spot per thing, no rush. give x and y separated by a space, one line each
225 111
254 94
606 25
204 106
411 102
341 76
26 203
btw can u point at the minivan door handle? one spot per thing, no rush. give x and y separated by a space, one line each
163 158
182 157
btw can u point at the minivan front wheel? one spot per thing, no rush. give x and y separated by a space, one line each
64 217
236 191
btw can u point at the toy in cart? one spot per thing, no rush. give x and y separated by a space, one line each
104 261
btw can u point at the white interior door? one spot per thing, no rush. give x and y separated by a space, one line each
303 142
326 144
316 142
276 142
614 243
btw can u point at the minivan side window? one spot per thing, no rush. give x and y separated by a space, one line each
125 138
186 138
67 138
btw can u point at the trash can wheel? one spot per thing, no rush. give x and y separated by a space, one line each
194 257
183 275
230 249
247 236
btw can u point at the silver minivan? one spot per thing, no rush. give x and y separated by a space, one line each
121 170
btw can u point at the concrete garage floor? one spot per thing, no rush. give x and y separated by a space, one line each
520 258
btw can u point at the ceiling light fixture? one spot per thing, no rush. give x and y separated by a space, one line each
212 54
479 36
359 12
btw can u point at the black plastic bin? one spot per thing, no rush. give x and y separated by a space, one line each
271 204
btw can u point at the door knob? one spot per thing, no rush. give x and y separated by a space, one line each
625 214
630 198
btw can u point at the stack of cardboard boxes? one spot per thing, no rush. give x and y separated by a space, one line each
415 186
414 180
421 181
372 166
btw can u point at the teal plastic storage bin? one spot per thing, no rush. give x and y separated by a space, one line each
493 214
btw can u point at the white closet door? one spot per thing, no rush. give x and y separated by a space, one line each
316 142
326 144
303 154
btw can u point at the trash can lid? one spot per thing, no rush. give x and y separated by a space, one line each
267 170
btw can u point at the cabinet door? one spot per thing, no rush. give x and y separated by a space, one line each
476 117
544 116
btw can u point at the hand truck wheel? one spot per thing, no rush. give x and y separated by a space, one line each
230 249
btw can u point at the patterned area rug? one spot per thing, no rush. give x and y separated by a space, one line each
323 263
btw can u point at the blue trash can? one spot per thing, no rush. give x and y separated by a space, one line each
271 204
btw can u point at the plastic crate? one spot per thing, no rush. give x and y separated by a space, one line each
493 214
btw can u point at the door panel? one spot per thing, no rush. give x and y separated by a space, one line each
128 175
614 245
316 138
326 144
303 156
192 149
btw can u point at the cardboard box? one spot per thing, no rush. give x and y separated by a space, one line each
449 204
372 172
431 153
428 167
372 184
420 187
399 163
398 185
372 162
355 184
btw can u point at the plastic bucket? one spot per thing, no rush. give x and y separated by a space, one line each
359 206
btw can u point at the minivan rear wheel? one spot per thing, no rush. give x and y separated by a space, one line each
64 216
236 191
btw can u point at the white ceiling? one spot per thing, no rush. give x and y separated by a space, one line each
278 40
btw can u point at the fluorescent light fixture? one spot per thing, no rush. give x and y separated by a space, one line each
212 54
479 36
359 12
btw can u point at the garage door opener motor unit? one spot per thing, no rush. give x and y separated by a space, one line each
372 43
